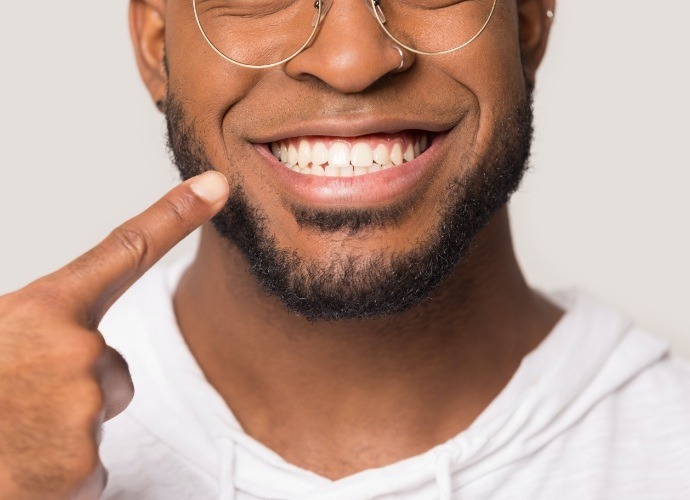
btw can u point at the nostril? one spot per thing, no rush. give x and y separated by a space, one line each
350 52
348 65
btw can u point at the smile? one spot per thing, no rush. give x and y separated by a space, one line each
348 157
361 170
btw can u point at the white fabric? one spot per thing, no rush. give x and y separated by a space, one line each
598 410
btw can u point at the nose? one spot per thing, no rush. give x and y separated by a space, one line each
350 52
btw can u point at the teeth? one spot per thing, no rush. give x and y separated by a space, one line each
292 155
331 171
381 155
319 153
396 154
408 155
361 154
339 155
304 153
339 159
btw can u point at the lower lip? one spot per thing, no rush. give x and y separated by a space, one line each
382 187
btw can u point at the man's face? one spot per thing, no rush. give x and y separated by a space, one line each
370 245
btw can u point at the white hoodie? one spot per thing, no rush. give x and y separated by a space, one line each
598 410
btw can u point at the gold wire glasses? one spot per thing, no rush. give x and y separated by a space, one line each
265 33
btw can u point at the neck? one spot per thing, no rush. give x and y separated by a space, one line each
338 397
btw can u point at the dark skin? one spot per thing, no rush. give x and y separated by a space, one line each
59 381
335 398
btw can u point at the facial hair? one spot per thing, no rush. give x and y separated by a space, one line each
364 286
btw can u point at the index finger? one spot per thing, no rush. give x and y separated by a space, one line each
104 273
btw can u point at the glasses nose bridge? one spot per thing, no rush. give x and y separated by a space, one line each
371 5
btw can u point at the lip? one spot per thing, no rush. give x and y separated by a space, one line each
349 127
376 188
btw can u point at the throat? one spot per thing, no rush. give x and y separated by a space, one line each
339 397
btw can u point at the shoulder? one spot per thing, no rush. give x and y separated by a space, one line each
648 414
647 433
640 433
631 436
660 398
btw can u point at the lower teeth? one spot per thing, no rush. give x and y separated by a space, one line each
329 171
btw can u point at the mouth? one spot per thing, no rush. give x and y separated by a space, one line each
362 171
324 156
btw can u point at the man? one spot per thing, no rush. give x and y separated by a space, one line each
354 324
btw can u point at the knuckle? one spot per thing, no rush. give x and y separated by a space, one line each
83 408
93 402
179 209
132 241
83 466
64 355
87 348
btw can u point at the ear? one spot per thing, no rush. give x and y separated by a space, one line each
535 18
147 29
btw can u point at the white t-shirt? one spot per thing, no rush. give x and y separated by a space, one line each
598 410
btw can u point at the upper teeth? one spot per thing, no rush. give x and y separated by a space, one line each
348 157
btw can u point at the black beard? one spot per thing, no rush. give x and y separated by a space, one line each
357 287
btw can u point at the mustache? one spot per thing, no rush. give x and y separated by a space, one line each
298 105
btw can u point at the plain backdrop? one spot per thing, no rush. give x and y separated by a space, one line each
604 207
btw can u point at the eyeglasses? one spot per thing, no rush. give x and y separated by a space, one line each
265 33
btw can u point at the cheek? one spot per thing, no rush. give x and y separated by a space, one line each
207 84
491 70
502 62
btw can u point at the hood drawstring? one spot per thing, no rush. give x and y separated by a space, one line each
226 468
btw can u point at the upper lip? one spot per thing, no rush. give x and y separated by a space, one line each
342 126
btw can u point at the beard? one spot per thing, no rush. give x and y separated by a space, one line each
364 286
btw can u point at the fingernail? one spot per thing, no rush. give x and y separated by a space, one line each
212 186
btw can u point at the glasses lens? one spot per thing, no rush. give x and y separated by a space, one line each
434 25
256 32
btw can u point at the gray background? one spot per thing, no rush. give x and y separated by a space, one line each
604 207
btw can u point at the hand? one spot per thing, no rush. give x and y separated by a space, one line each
59 381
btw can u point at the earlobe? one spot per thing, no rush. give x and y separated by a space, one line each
147 29
535 18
